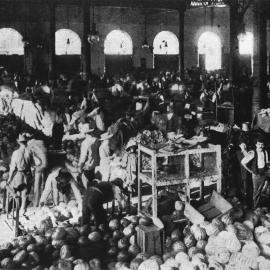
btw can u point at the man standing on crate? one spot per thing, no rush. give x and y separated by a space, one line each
256 162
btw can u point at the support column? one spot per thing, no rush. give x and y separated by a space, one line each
234 43
86 50
181 62
259 99
52 39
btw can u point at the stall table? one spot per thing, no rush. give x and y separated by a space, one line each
184 169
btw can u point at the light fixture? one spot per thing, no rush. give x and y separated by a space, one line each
93 37
145 44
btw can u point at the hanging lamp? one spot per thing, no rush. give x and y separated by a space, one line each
93 37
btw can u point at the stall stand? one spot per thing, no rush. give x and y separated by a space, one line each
178 169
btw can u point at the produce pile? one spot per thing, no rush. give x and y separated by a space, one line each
234 241
153 139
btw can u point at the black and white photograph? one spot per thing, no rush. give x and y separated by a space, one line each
135 134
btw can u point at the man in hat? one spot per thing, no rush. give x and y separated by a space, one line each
38 154
256 162
20 171
89 157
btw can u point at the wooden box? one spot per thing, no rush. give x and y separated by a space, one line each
217 206
150 239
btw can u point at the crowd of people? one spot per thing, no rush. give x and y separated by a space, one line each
95 123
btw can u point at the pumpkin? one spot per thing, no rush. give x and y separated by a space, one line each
31 247
134 250
20 257
231 228
94 237
72 233
179 206
112 252
166 256
33 258
227 219
6 263
250 215
156 258
187 266
83 241
129 230
189 241
45 225
201 244
59 234
222 255
123 243
212 229
145 221
95 264
117 235
134 220
58 243
171 262
233 244
175 235
249 224
181 257
193 250
135 263
251 249
149 264
143 256
114 224
237 213
123 256
243 232
41 239
199 233
124 222
48 233
84 230
218 223
178 246
64 265
81 266
65 252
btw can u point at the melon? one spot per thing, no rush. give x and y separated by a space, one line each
94 237
114 224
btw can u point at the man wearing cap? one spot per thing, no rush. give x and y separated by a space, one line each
89 157
38 154
19 171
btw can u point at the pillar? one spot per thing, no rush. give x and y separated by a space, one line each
181 13
234 43
259 99
86 50
52 30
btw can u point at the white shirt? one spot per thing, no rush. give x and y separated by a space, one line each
261 159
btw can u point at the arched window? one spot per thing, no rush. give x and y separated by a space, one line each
209 45
246 43
118 42
11 42
166 42
67 42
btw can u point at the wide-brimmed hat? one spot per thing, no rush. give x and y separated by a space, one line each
88 127
106 136
21 138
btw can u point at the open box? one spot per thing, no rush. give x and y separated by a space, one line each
216 207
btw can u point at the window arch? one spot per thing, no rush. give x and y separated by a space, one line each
166 42
11 42
118 42
209 45
246 43
67 42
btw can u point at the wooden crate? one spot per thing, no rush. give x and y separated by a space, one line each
150 239
217 206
